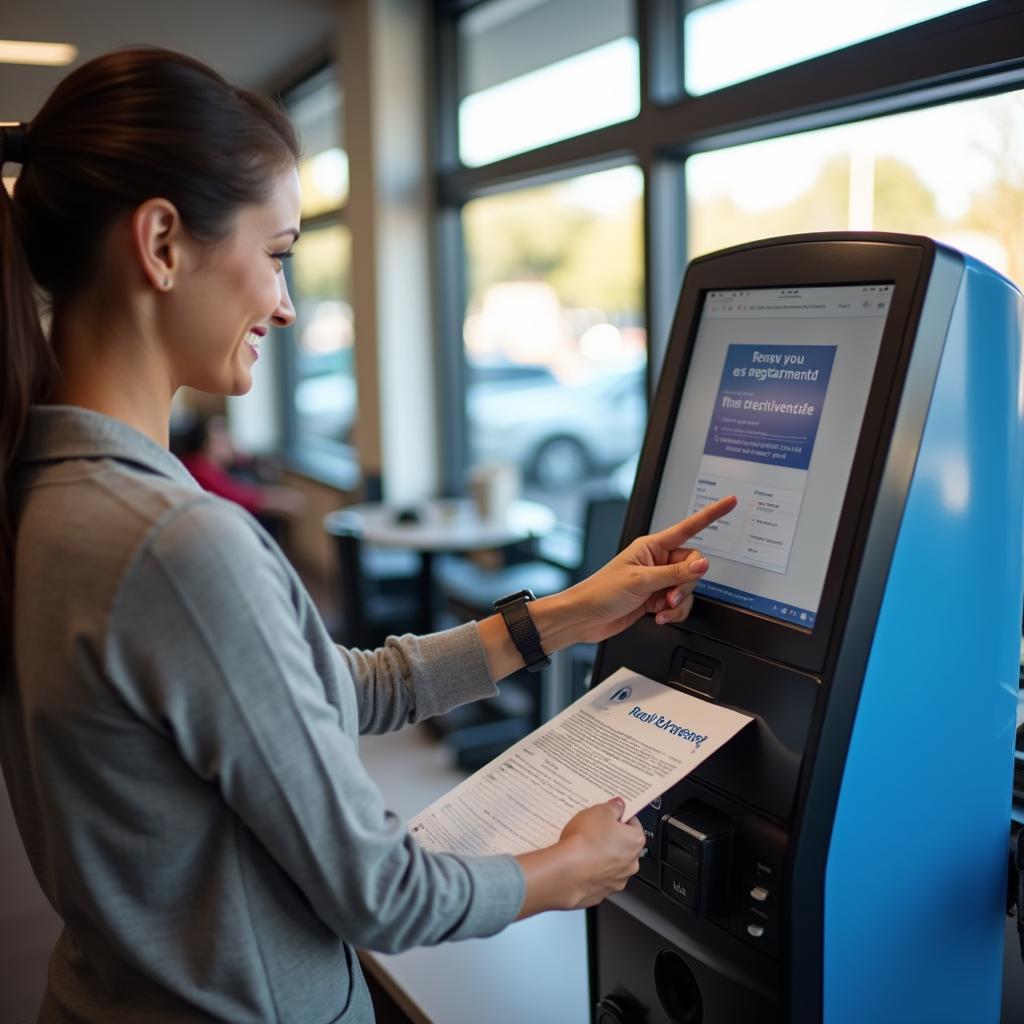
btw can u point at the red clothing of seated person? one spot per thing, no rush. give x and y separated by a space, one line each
214 478
206 451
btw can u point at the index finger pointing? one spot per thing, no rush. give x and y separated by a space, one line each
678 534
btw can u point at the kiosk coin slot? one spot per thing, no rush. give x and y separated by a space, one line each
860 394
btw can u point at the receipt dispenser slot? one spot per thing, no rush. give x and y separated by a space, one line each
696 850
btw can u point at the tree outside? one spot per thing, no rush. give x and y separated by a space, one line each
955 173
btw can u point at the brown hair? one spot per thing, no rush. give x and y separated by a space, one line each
121 129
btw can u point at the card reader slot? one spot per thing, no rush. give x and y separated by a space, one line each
682 860
696 672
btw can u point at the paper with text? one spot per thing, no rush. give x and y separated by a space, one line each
630 737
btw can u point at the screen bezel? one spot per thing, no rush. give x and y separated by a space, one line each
803 262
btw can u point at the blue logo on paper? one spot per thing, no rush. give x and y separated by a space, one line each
614 699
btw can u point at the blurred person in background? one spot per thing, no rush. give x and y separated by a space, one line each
208 453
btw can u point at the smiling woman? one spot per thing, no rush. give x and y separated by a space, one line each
178 733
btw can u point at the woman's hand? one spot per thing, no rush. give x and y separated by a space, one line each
595 856
655 574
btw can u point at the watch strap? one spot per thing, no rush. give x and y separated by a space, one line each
522 629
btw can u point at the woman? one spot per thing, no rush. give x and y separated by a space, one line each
178 732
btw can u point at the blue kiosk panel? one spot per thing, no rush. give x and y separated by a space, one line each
916 875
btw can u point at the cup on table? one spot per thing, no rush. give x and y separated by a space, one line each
493 487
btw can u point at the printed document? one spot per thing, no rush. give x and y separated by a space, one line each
630 737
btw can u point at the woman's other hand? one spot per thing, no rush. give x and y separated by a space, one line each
595 856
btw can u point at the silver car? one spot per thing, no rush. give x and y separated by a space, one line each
559 434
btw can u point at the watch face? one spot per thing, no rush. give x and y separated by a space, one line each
519 595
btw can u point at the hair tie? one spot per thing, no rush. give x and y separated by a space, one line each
15 142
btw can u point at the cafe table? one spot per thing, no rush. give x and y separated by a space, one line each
441 526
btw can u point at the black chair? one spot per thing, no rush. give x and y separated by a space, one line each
602 530
559 560
376 589
469 589
481 731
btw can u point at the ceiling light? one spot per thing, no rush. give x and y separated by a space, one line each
18 51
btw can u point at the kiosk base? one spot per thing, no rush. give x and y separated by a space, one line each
664 977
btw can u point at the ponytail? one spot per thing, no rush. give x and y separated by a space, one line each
26 370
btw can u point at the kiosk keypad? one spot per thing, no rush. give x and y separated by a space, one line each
721 863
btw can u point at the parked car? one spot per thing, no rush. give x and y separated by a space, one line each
558 435
490 375
325 395
623 477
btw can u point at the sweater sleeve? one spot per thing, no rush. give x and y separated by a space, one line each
204 643
412 678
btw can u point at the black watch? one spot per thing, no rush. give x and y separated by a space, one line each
521 628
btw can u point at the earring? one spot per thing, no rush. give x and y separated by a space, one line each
167 282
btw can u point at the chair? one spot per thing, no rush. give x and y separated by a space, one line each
602 530
376 587
481 731
469 589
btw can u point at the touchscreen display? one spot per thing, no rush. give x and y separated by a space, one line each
771 412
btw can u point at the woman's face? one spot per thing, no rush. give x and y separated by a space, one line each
227 297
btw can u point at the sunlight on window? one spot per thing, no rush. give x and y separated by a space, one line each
576 95
531 72
954 172
733 40
324 181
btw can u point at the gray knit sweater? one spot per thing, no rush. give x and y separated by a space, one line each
179 741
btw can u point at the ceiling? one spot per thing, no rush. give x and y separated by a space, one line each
256 43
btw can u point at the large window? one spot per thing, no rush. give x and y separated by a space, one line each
738 119
554 331
321 391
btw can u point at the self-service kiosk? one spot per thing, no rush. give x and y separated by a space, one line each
845 857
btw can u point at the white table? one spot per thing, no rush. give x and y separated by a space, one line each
534 972
445 525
